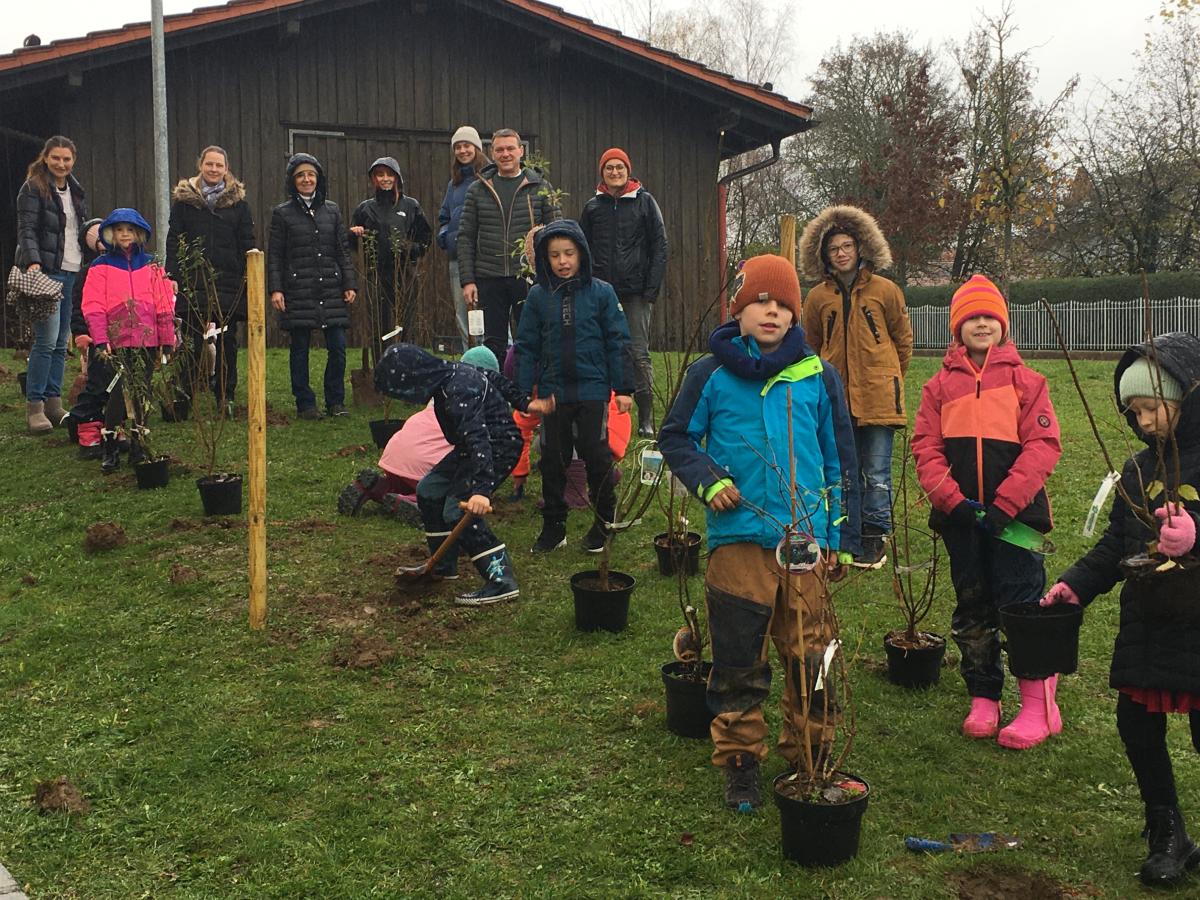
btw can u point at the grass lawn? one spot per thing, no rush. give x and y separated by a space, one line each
499 752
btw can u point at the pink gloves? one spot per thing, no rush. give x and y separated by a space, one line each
1177 536
1059 593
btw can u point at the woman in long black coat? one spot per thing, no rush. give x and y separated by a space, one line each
209 212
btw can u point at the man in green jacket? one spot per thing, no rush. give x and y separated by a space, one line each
500 208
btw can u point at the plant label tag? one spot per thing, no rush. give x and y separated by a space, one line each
1102 494
826 662
391 334
652 463
213 331
475 322
112 384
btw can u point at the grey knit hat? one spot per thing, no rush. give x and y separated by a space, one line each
1139 380
468 134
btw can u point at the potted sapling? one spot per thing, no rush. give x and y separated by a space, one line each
134 367
685 678
914 656
602 595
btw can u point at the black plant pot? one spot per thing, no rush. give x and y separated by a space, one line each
21 376
1041 640
383 429
221 494
153 473
688 714
177 411
821 834
915 667
671 556
597 609
1169 596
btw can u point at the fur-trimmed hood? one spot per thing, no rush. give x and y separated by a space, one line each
873 249
188 191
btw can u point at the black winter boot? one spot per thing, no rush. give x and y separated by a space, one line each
357 492
110 459
741 783
137 452
553 536
500 583
645 414
1171 850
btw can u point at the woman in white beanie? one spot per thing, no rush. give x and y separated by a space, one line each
468 159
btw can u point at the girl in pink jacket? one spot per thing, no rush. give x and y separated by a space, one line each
129 307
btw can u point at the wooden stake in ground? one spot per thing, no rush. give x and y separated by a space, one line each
787 238
256 429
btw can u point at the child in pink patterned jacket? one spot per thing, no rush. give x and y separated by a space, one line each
129 307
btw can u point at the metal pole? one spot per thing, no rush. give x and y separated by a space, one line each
158 59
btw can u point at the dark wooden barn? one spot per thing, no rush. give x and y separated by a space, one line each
351 80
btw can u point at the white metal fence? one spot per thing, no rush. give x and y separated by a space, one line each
1086 325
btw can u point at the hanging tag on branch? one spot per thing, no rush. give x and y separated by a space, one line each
391 334
1102 494
826 662
797 553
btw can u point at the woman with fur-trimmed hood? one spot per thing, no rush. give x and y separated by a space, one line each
211 208
857 321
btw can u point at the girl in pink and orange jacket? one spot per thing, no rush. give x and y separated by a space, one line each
129 307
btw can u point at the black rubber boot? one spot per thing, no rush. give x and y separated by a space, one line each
553 536
645 414
110 459
137 452
742 790
500 583
1171 850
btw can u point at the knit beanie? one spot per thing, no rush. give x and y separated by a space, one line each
482 358
767 277
977 297
1140 380
468 134
614 153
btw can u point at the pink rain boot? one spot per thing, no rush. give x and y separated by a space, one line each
984 718
1038 719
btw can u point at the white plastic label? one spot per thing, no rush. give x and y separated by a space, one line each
391 334
652 462
1102 493
475 322
112 384
826 661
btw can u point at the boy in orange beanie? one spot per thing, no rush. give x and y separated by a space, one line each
729 438
985 441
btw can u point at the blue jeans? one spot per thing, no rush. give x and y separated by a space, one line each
874 445
48 355
460 307
335 367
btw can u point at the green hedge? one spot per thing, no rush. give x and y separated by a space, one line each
1163 286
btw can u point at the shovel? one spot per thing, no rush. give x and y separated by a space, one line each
408 576
964 842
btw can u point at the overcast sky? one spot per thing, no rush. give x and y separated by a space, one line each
1095 40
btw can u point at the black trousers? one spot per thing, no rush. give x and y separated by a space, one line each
582 427
501 300
1145 737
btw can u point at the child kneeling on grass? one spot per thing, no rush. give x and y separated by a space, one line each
728 437
985 440
1156 657
472 407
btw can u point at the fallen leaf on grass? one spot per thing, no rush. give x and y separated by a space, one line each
318 723
29 580
351 450
687 839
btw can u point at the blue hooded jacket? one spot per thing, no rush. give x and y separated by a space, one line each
729 423
573 329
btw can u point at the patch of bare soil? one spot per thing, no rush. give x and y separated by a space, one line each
306 526
103 536
181 574
275 417
351 450
60 795
363 651
1004 882
29 579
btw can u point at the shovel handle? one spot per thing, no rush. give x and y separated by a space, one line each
450 539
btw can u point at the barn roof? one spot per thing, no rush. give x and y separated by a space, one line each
753 115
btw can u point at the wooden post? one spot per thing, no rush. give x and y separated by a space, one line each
787 238
256 428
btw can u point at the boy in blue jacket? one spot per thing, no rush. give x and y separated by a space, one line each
573 331
727 438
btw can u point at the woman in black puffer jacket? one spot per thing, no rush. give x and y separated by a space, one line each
210 208
311 280
51 210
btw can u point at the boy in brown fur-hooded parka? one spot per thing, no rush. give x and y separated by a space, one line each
857 321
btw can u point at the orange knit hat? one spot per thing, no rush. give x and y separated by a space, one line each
767 277
977 297
615 153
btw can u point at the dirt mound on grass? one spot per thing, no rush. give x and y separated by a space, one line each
364 651
1003 882
351 450
103 536
60 795
181 574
